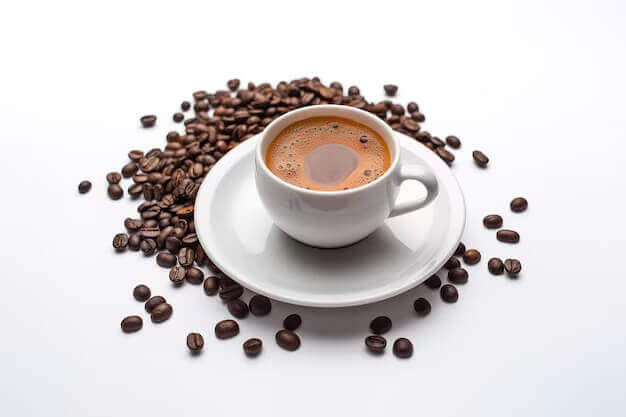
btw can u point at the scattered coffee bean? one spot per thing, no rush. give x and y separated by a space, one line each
233 84
449 293
135 155
492 221
185 105
153 302
173 244
292 322
453 142
391 89
194 276
512 267
471 257
375 344
133 225
195 342
148 121
114 177
260 305
458 276
229 289
237 308
519 204
161 312
418 117
381 325
131 324
433 282
211 285
252 347
226 329
134 241
460 250
148 247
403 348
354 91
422 306
452 263
446 155
495 266
84 187
480 159
120 241
166 260
178 117
507 236
141 292
129 169
412 107
186 256
177 275
287 340
115 191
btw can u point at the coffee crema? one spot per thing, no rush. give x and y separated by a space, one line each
328 154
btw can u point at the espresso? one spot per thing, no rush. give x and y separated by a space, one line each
328 154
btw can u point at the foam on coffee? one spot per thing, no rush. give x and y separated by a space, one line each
328 154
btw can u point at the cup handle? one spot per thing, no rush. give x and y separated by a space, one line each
423 175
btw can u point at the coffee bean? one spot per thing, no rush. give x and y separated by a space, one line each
418 117
381 325
195 342
433 282
375 344
135 155
141 292
391 89
412 107
226 329
177 275
229 289
120 241
114 177
252 347
453 142
403 348
173 244
233 84
507 236
148 232
480 159
131 324
237 308
153 302
471 256
449 294
492 221
446 155
519 204
84 187
460 250
148 121
211 285
437 143
260 305
292 322
194 276
421 306
115 191
458 276
133 225
452 263
161 312
148 247
178 117
185 105
495 266
134 241
166 260
287 340
186 256
190 240
512 267
354 91
129 169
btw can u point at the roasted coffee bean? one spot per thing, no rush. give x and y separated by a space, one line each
186 256
229 289
233 84
120 241
173 244
412 107
418 117
135 155
161 312
512 267
492 221
166 260
437 143
460 250
433 282
185 105
519 204
129 169
292 322
148 247
114 177
403 348
495 266
422 307
211 285
195 342
194 276
449 293
141 292
446 155
134 241
178 117
131 324
380 325
354 91
84 187
471 257
458 275
148 232
153 302
148 121
375 344
260 305
453 142
238 308
226 329
391 89
452 263
133 225
252 347
480 159
190 240
177 275
163 235
287 340
507 236
412 126
115 192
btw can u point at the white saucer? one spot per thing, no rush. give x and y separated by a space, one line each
238 235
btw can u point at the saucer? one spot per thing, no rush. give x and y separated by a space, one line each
240 238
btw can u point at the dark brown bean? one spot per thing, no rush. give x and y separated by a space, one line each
120 241
519 204
458 276
238 308
134 241
495 266
449 293
375 344
260 305
115 192
226 329
148 247
452 263
471 257
433 282
292 322
460 250
177 275
161 312
211 285
129 169
233 84
133 225
141 292
114 177
512 267
287 340
135 155
252 347
185 105
166 260
195 342
131 324
148 121
354 91
153 302
422 307
178 117
84 187
453 142
446 155
507 236
390 89
194 276
412 107
186 256
229 289
492 221
480 159
380 325
403 348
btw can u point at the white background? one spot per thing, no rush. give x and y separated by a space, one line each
537 85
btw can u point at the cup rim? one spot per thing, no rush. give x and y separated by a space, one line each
373 119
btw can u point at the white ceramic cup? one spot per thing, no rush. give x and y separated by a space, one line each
331 219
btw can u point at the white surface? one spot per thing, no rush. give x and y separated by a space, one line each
537 85
239 236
